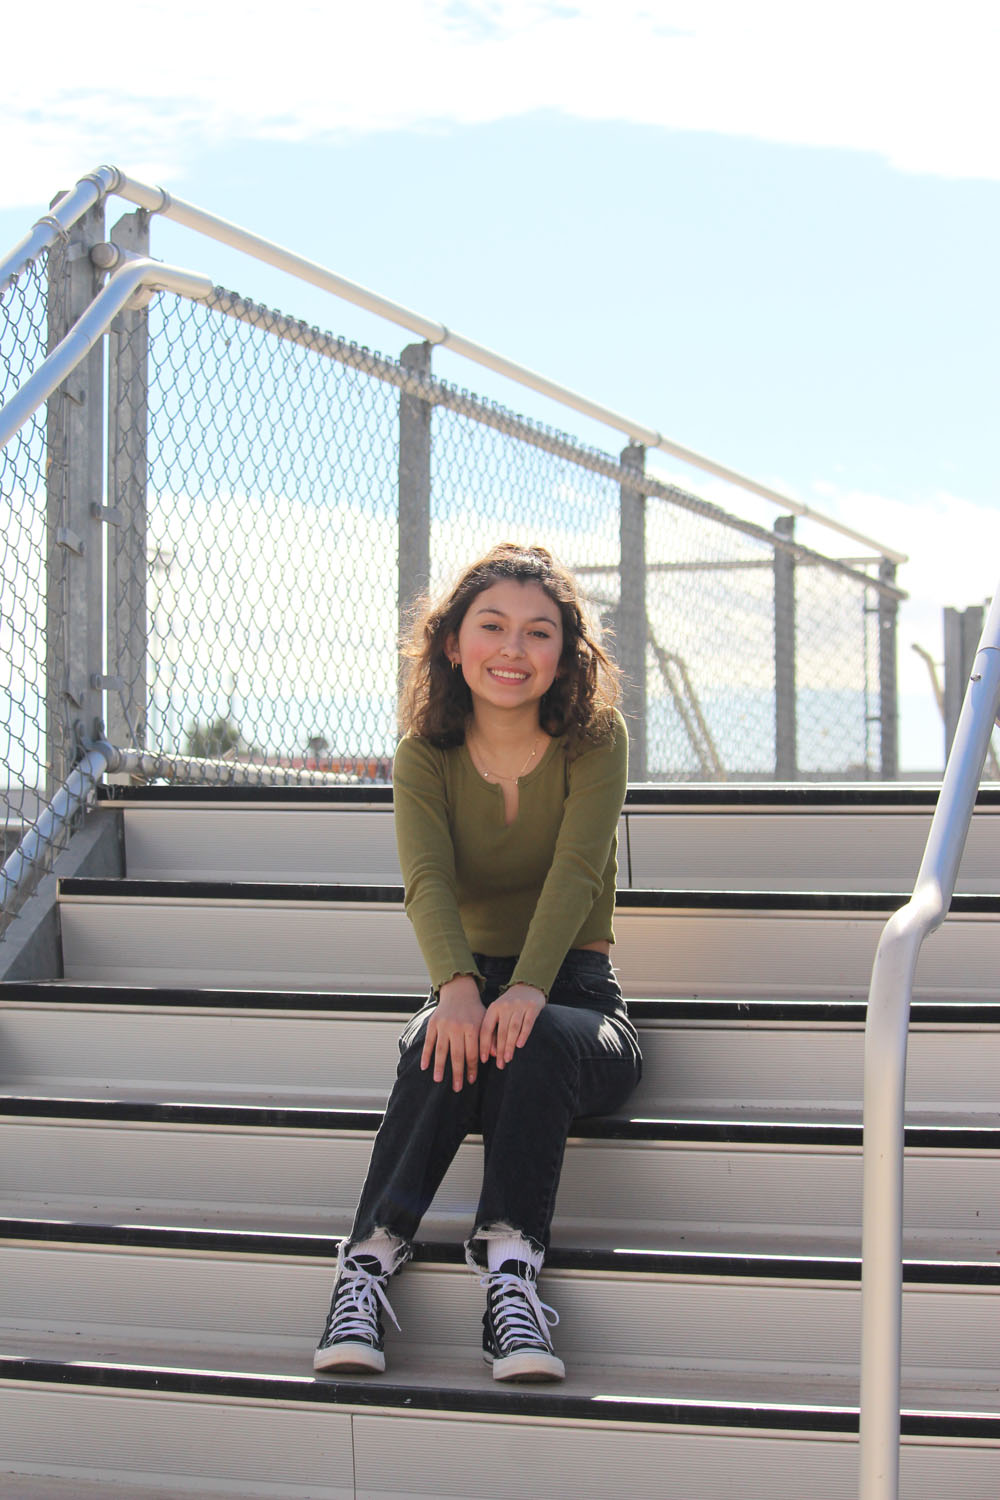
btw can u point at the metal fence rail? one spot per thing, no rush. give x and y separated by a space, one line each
212 539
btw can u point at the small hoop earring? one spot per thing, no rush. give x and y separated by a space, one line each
455 666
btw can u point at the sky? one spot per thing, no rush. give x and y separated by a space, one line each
766 228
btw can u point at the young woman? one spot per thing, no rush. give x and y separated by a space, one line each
508 787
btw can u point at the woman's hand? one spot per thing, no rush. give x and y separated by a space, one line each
453 1031
508 1022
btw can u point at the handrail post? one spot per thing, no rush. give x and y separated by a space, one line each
888 614
631 626
75 465
128 416
414 486
886 1032
962 629
785 708
882 1210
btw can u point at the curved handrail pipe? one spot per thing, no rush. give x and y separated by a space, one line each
157 200
885 1071
23 867
131 277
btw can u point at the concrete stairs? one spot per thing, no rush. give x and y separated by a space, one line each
188 1110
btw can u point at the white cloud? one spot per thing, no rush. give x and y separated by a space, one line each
911 83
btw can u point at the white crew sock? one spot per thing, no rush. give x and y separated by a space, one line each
384 1246
512 1246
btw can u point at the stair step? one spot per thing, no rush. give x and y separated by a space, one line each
720 1183
322 1449
39 1486
72 1041
669 942
752 837
790 1261
672 1391
268 844
621 1332
862 848
75 1424
180 1159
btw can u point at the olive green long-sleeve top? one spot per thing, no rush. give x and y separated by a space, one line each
536 887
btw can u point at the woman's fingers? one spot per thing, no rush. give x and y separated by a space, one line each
461 1035
430 1041
518 1030
509 1022
487 1034
451 1043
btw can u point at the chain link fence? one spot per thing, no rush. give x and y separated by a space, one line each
269 499
274 559
23 560
271 516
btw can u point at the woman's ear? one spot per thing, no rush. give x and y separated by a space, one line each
451 649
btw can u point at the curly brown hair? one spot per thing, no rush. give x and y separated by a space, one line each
436 702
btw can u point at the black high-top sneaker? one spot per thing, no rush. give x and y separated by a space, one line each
516 1325
354 1339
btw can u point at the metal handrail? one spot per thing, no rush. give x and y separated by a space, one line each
132 277
23 867
885 1071
57 223
157 201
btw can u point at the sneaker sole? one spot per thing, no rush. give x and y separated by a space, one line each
357 1359
528 1364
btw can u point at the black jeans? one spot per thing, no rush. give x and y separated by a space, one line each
582 1058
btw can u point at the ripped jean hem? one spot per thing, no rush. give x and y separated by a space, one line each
475 1245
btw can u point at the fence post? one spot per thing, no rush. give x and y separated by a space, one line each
785 708
888 612
128 412
632 628
962 629
414 560
74 490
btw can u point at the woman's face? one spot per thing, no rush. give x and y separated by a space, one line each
509 644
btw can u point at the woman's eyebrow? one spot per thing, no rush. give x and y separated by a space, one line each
490 609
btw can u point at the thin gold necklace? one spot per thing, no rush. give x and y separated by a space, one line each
495 775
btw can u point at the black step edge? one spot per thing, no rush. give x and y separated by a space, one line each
324 1390
702 1008
917 795
651 1129
666 1262
392 895
365 793
667 1411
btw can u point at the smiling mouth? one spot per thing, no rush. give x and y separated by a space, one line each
503 676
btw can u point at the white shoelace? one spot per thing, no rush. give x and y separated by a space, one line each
516 1323
356 1303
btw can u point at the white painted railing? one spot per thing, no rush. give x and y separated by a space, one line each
885 1071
